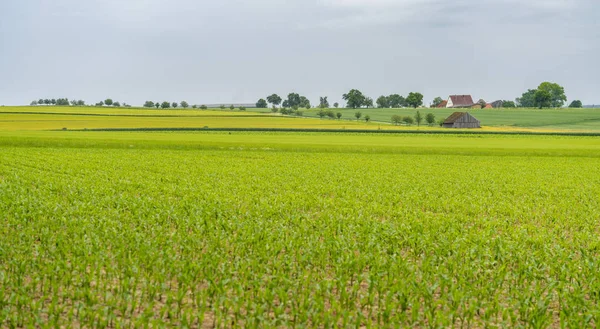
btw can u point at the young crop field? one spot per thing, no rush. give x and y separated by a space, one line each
291 230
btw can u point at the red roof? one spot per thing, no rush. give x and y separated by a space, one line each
442 104
462 100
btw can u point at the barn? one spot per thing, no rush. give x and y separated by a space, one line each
458 101
461 120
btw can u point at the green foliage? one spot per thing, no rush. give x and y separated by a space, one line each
242 108
556 92
222 107
437 101
157 104
408 120
396 101
396 119
108 102
418 118
323 102
184 104
354 99
336 105
274 99
262 104
430 118
231 107
367 118
174 104
117 104
203 107
357 115
194 106
338 115
368 102
382 102
508 104
414 99
576 104
165 105
543 99
527 99
149 104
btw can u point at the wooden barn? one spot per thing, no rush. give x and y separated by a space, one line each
461 120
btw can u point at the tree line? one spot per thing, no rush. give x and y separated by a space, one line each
73 102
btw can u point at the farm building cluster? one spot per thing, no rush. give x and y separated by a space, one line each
466 101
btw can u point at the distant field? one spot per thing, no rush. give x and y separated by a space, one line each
51 117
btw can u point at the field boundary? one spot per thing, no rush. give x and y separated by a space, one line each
147 116
318 130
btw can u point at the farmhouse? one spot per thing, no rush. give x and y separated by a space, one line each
460 101
461 120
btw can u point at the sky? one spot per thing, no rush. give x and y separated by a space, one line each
235 51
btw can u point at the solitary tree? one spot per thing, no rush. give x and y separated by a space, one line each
418 118
336 105
108 102
358 115
242 108
174 104
414 99
396 119
203 107
184 104
274 99
157 104
194 106
576 104
339 115
408 120
232 107
367 118
354 98
261 104
430 118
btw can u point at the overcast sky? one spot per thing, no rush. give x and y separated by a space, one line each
225 51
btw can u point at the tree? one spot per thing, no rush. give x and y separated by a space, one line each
53 101
203 107
482 103
149 104
330 114
285 104
165 105
336 105
396 119
408 120
418 118
40 101
414 99
174 104
100 103
437 101
274 99
261 104
108 102
323 102
304 102
74 103
47 101
543 99
358 115
232 107
293 100
184 104
80 102
354 99
576 104
430 118
222 107
321 113
338 115
33 103
367 118
117 104
557 93
382 102
157 104
242 108
194 106
508 104
369 102
527 99
396 101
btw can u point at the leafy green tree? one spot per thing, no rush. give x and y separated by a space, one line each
336 105
108 102
47 101
330 114
184 104
354 99
321 113
437 101
274 99
430 118
165 105
382 102
293 100
338 115
74 102
408 120
33 103
576 104
53 101
304 102
396 101
323 102
368 102
242 108
117 104
149 104
203 107
81 102
232 107
527 99
557 93
285 104
194 106
40 101
274 109
508 104
543 99
358 115
418 118
174 105
222 107
367 118
414 99
157 105
396 119
261 104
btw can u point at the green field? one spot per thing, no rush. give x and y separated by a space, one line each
221 229
56 117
